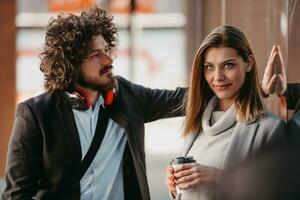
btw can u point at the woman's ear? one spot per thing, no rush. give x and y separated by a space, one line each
250 63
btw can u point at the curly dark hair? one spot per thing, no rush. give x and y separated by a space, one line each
67 44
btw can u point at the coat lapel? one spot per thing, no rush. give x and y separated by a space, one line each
69 126
241 144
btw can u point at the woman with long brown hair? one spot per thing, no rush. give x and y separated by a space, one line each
226 119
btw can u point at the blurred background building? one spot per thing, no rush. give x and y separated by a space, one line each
157 43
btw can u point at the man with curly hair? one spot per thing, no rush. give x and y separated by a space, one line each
53 132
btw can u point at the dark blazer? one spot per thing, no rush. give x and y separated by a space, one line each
292 95
44 146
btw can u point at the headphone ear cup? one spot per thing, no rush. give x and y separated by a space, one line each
109 97
77 101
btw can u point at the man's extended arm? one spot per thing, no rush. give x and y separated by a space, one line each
157 103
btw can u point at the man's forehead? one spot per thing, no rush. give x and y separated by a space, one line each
98 42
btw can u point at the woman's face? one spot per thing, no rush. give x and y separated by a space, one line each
225 72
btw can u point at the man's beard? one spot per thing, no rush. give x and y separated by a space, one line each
88 82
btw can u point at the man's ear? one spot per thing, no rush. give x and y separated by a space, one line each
250 63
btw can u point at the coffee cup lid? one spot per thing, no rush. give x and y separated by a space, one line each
182 160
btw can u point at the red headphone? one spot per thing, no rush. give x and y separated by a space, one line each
79 99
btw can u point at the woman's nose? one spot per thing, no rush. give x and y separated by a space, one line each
219 74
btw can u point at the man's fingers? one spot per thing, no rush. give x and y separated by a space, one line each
268 88
271 85
271 62
281 69
281 85
269 71
274 76
281 79
272 52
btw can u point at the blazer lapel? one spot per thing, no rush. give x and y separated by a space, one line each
69 126
118 112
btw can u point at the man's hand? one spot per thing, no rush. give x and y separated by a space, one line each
274 79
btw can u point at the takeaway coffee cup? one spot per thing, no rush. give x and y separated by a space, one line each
180 161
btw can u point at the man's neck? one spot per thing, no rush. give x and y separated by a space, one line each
91 94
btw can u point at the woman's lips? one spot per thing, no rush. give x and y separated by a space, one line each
221 87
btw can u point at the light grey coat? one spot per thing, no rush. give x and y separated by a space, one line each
248 138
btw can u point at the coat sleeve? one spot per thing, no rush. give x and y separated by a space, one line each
157 103
292 94
23 166
163 103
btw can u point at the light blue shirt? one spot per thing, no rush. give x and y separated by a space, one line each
104 178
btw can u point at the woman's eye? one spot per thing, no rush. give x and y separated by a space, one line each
228 65
208 67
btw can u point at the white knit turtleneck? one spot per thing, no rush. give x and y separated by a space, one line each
210 146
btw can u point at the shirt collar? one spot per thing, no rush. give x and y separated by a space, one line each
99 102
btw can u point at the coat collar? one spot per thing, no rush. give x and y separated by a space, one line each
226 121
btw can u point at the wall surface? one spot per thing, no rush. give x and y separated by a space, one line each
7 75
